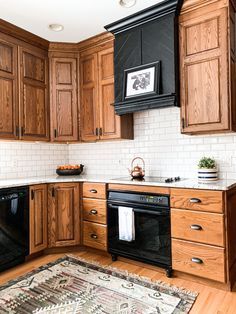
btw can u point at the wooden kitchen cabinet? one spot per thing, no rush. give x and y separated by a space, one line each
97 114
64 105
34 113
207 66
63 215
23 90
8 89
38 218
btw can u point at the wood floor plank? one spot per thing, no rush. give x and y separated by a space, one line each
209 301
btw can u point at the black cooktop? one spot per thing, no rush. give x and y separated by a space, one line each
151 179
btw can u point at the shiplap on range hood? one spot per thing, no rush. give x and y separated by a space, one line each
144 38
81 19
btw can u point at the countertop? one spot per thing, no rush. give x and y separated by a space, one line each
220 185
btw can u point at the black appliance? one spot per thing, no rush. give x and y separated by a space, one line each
14 226
152 242
142 38
151 179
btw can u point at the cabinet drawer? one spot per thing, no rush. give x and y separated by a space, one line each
94 190
197 226
95 210
198 259
209 201
95 235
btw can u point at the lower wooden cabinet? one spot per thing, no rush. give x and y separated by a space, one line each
38 218
63 215
95 235
199 259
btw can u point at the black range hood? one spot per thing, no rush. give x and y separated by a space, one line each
147 37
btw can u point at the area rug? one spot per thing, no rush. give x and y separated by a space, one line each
72 285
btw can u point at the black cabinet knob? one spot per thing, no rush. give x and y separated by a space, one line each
197 260
93 212
93 236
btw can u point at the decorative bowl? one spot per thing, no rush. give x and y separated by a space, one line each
70 172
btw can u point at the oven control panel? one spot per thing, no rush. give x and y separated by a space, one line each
153 199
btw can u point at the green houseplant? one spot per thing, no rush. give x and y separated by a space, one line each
207 169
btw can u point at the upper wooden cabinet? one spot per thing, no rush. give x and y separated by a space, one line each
34 113
9 119
64 106
97 114
23 90
207 67
63 214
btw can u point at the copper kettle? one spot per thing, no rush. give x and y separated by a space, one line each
137 172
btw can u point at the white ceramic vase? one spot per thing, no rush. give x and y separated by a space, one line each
207 175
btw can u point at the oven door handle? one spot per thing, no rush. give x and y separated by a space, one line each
143 211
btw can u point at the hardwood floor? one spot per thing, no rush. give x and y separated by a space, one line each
209 301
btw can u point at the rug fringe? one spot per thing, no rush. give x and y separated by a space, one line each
147 280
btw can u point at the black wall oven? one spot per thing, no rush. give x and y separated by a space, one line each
152 241
14 226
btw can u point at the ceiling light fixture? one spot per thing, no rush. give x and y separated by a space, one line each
127 3
56 27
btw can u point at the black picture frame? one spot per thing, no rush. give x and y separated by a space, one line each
135 79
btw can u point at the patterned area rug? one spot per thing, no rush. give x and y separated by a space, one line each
71 285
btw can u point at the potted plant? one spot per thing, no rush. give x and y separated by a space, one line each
207 169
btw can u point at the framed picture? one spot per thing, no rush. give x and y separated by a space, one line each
143 80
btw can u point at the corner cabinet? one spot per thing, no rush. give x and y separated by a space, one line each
38 218
207 66
97 114
63 215
64 104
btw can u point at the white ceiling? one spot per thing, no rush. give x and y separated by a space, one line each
81 18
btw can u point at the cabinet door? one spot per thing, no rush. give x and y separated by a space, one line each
9 121
89 97
204 71
109 121
34 113
38 218
63 215
64 99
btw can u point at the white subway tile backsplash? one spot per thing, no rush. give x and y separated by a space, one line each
157 139
166 151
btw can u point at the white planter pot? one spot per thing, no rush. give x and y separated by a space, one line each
207 175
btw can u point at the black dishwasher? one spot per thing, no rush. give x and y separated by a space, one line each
14 226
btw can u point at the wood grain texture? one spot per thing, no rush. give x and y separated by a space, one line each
89 98
34 105
94 190
209 201
63 214
213 259
212 226
95 235
9 118
95 210
204 78
38 218
64 103
139 188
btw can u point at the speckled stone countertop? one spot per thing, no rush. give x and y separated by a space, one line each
220 185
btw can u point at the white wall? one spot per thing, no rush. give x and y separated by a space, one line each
21 159
158 140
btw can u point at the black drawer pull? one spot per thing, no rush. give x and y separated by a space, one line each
93 212
195 200
196 260
196 227
93 236
93 191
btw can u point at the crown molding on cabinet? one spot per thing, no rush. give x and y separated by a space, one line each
19 33
189 5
